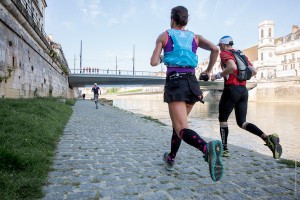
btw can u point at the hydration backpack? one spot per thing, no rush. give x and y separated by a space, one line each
244 70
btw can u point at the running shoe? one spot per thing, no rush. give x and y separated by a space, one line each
169 163
273 144
213 157
225 153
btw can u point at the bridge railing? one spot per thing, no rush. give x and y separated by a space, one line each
115 72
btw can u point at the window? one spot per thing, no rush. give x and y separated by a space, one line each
262 33
262 56
270 32
292 66
262 75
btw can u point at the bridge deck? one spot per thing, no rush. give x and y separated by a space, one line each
83 80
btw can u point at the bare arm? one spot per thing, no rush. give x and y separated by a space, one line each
155 58
230 67
214 52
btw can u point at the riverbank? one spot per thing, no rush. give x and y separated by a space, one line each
121 158
271 117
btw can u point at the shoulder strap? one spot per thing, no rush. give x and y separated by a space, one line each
241 56
241 62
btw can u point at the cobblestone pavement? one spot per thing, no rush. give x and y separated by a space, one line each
110 153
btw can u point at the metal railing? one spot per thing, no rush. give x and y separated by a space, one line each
115 72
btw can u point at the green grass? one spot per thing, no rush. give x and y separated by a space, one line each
29 132
289 163
117 91
154 120
70 102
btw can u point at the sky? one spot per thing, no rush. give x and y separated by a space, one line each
114 31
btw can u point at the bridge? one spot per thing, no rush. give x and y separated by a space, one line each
128 78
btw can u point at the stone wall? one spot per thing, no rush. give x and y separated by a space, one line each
26 68
285 89
277 90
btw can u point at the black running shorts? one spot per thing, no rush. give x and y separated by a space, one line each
184 88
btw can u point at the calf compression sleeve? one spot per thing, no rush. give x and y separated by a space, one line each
254 129
193 139
175 144
224 135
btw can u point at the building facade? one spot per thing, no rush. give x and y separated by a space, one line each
272 57
288 54
36 9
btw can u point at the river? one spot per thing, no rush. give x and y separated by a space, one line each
280 118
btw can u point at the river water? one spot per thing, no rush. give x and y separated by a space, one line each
280 118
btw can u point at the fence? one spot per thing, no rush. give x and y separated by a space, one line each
89 70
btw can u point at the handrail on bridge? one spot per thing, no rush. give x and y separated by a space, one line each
88 70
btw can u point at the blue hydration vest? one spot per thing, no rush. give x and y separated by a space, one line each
182 54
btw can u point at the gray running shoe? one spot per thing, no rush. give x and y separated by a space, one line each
214 158
273 144
169 163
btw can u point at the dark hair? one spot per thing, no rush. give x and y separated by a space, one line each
180 15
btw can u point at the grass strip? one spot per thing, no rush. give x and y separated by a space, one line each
289 163
29 132
154 120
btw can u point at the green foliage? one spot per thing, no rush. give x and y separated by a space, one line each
70 102
64 69
4 78
154 120
10 69
53 54
36 92
290 163
112 90
130 91
29 132
117 91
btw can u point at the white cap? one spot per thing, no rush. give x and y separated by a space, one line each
95 83
226 40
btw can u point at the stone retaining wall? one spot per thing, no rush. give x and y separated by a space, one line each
33 72
277 90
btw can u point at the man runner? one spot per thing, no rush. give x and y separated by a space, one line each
96 91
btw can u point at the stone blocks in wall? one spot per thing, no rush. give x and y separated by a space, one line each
283 90
35 69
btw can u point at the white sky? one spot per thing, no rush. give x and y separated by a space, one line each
110 28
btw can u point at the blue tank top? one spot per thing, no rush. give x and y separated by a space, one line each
182 54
